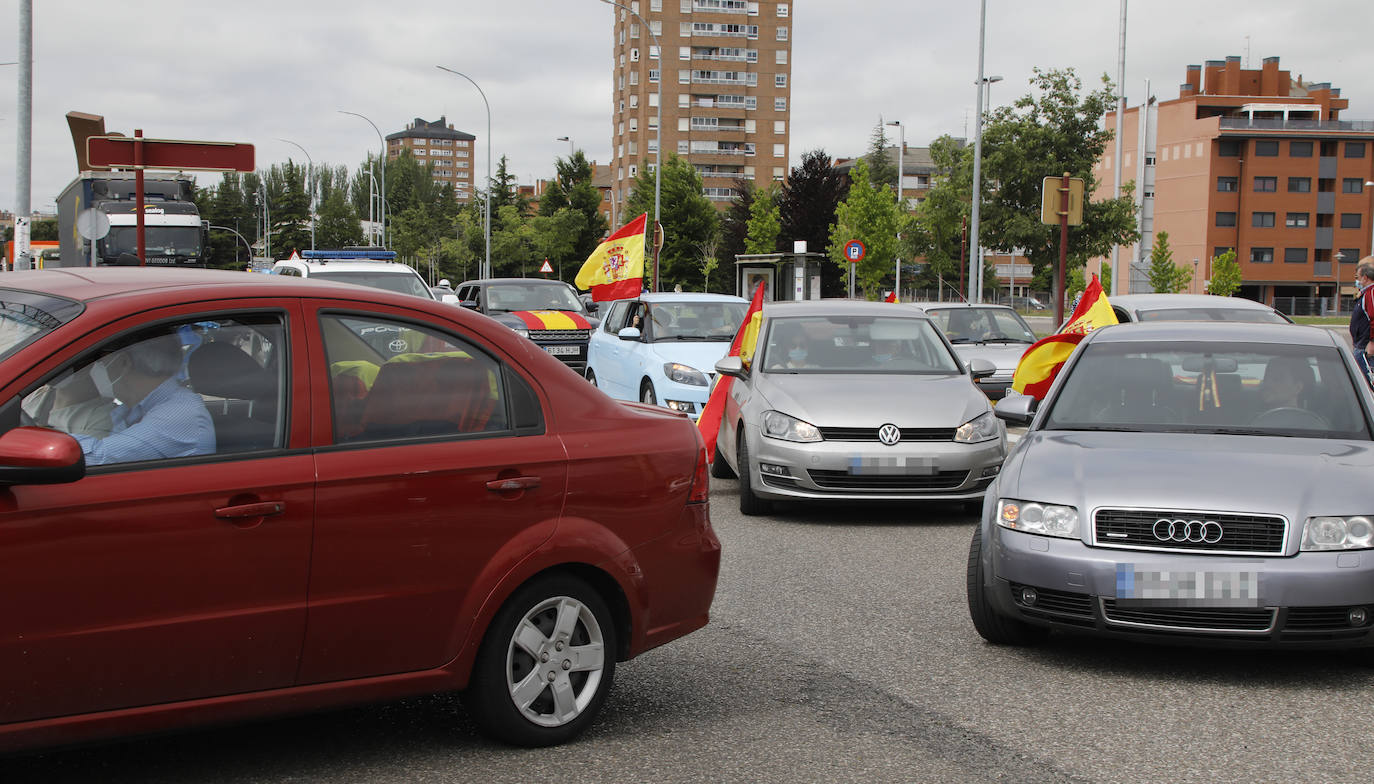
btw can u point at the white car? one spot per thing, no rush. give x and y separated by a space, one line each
363 267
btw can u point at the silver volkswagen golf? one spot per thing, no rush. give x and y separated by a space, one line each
856 400
1198 482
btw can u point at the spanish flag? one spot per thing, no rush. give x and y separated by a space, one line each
891 297
1042 361
615 270
743 347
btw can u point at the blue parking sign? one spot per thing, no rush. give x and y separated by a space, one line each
854 251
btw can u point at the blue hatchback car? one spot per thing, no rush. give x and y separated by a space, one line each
662 348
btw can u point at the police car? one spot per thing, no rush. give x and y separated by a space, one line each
372 267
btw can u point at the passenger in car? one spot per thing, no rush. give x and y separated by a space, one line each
1287 380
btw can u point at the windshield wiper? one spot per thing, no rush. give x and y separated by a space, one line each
1008 340
685 337
1241 431
961 340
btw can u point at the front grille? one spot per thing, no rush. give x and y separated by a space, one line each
1062 606
843 480
1321 619
1202 619
871 433
558 334
1248 534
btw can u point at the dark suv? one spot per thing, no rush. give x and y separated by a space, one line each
545 311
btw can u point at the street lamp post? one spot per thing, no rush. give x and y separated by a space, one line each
974 246
309 174
383 142
241 237
486 228
569 140
986 83
23 165
658 130
901 203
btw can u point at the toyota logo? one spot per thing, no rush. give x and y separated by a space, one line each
1195 531
398 345
889 434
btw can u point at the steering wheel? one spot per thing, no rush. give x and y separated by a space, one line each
1291 416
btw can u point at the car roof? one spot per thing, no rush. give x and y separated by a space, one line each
689 296
527 281
1167 301
347 265
840 307
937 305
1224 331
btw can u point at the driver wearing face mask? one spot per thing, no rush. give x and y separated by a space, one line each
154 416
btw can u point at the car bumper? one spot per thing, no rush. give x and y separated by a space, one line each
687 398
1303 601
915 470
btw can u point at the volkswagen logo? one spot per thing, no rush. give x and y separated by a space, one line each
1195 531
889 434
398 345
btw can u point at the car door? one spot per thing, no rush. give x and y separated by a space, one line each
609 350
156 580
625 353
444 476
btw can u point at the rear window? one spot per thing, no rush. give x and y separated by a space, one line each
1248 316
26 316
400 282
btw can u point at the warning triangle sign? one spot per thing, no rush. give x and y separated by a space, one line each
547 267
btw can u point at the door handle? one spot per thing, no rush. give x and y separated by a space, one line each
513 483
262 509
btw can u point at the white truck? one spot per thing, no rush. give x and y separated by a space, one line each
174 235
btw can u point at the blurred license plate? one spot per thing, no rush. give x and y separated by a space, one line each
562 351
892 465
1184 588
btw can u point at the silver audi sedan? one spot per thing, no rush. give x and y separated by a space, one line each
850 400
1189 482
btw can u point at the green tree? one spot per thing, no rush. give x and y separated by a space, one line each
337 224
763 223
870 214
1226 277
941 218
1164 275
688 219
734 222
572 188
812 192
554 237
882 168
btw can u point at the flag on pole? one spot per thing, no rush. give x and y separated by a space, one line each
1042 361
891 297
615 270
743 347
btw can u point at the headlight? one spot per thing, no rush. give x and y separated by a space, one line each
1034 518
1338 533
684 374
779 425
981 428
521 331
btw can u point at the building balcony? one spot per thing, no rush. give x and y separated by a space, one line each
1245 123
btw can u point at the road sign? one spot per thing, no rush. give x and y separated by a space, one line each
547 268
105 152
854 251
93 224
1050 200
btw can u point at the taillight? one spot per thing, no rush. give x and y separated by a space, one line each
701 480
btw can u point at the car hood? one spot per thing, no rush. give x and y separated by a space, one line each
872 400
1296 477
700 355
1004 355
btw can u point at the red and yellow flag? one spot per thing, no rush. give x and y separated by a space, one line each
891 297
551 319
743 347
615 270
1042 361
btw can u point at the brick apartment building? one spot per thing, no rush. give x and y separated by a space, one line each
1255 160
724 73
449 150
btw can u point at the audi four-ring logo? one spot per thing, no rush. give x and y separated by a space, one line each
1205 531
889 434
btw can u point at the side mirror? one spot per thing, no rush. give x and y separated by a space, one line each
628 333
981 368
39 456
470 304
1018 410
730 366
591 305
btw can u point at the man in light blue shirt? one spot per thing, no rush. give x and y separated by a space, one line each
154 415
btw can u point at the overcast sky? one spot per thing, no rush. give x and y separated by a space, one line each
257 71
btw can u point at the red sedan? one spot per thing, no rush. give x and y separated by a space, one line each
226 495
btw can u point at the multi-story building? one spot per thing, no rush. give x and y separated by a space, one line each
723 70
1256 161
437 143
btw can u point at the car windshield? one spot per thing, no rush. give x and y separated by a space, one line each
1212 388
717 321
26 316
400 282
159 240
516 296
854 344
981 325
1249 316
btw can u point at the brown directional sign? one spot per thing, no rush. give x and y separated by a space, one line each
104 152
1051 200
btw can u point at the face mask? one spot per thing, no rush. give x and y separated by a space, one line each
882 357
796 354
100 376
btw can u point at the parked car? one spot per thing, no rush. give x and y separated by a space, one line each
662 348
1192 307
372 267
547 312
854 401
1027 303
992 332
334 495
1202 482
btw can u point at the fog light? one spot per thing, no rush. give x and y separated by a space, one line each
774 470
1029 597
1357 616
685 406
991 470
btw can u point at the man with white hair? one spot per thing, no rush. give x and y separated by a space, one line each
1361 314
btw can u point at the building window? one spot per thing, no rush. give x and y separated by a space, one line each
653 100
1350 220
684 100
1227 184
1354 149
1266 184
1295 255
634 31
1226 219
1352 185
1299 184
634 55
634 100
782 33
634 124
634 78
780 57
655 27
653 53
779 80
655 5
684 53
1262 220
1228 148
684 77
682 147
1261 255
782 10
1348 255
1300 149
780 104
780 126
653 76
1296 220
634 170
779 150
1266 149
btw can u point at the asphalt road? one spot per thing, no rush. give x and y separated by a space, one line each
839 650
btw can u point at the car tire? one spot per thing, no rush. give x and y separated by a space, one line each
992 626
720 467
512 656
591 376
749 503
646 393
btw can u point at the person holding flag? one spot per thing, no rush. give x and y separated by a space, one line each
615 270
743 347
1042 361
